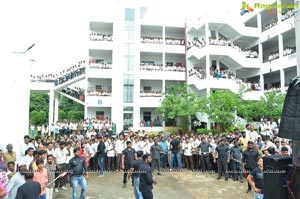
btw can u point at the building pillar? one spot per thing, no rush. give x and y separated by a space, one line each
56 104
282 80
208 65
260 53
259 26
207 34
208 120
217 35
279 10
51 108
297 31
218 65
262 82
280 45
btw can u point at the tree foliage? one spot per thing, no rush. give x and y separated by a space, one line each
39 109
180 104
222 106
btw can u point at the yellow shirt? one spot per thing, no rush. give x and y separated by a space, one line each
10 157
244 143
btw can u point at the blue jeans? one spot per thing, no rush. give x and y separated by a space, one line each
177 156
75 180
101 165
43 196
136 184
258 196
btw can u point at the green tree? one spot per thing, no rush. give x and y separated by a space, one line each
39 101
222 106
180 104
38 117
271 105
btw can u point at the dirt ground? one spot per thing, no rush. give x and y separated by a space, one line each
184 185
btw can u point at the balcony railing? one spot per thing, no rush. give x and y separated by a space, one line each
101 37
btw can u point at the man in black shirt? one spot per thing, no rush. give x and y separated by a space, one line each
204 152
128 155
236 157
146 178
249 161
175 149
134 173
29 190
256 179
155 151
223 159
78 169
101 155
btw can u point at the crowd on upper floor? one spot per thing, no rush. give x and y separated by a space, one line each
98 93
289 50
63 76
287 13
273 55
151 40
270 25
199 43
151 123
99 65
100 37
198 71
169 66
174 41
150 93
75 92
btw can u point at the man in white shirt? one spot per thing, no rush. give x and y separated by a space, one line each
253 135
111 155
195 143
25 145
61 160
27 159
119 147
187 152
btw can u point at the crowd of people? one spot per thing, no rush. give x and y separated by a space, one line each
151 123
77 92
289 50
150 94
151 66
173 41
98 93
63 76
97 147
178 66
196 42
198 71
152 40
100 37
99 65
287 13
270 25
273 55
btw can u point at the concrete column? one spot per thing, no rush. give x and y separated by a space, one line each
297 30
259 26
260 52
56 104
280 45
164 34
282 80
217 34
207 34
208 120
218 65
262 82
51 107
208 65
279 11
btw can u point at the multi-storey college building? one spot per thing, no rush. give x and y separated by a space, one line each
132 61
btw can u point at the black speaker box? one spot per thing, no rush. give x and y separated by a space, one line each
275 170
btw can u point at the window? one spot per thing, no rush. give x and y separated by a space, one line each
128 89
129 23
127 117
129 57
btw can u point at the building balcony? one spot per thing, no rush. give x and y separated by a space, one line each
150 100
286 61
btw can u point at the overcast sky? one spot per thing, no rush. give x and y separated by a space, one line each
60 28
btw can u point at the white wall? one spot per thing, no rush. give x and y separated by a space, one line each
91 111
156 57
106 55
175 58
155 85
104 82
